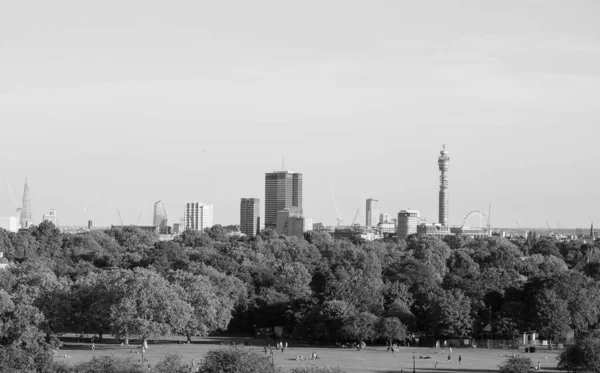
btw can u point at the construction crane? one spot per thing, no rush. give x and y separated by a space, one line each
17 206
548 225
355 216
338 215
118 212
139 218
518 226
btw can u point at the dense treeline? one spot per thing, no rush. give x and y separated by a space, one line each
317 287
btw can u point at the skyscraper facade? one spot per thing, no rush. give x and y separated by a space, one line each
160 215
250 216
198 216
408 221
283 189
26 218
372 215
443 163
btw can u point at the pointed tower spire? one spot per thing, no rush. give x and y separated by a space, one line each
26 218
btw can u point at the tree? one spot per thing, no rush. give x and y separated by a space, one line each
553 317
516 364
583 356
390 328
360 327
209 311
236 359
147 305
23 346
450 314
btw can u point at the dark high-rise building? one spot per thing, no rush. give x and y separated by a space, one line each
283 189
250 216
443 163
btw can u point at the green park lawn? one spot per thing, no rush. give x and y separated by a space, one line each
373 359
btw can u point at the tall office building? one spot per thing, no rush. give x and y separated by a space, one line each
408 221
198 216
26 218
160 215
283 190
250 216
443 163
372 215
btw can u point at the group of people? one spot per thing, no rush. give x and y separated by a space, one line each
279 346
312 356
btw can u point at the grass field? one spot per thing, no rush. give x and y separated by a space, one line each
370 360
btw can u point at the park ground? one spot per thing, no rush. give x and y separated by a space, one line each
373 359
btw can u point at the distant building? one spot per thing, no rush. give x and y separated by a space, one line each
386 227
177 228
474 232
407 223
437 230
372 212
10 223
3 261
250 216
51 217
443 163
159 219
198 216
283 190
291 222
384 218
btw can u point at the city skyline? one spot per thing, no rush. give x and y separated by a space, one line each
214 95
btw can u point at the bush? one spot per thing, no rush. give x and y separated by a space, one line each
583 356
108 364
517 364
236 359
313 369
172 363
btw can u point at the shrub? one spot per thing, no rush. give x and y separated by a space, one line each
108 364
172 363
583 356
236 359
517 364
314 369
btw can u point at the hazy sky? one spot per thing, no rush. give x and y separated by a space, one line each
108 104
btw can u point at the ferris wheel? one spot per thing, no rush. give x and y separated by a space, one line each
482 218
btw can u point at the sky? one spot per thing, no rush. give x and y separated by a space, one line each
109 105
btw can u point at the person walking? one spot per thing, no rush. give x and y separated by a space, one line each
93 346
449 359
459 359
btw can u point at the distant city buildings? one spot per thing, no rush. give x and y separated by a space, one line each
51 217
159 219
408 221
437 230
372 212
283 190
198 216
250 216
384 218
